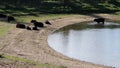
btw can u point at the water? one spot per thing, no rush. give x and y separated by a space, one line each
99 46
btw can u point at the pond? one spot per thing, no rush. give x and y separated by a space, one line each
99 44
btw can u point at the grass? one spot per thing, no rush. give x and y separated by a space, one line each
117 13
42 17
30 63
4 28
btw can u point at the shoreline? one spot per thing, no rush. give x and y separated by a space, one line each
33 45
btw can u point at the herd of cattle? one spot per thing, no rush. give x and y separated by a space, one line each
35 23
38 24
23 26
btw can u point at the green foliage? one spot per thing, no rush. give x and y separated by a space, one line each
27 7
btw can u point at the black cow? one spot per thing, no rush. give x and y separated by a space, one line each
28 28
32 21
18 25
10 18
37 24
98 20
35 28
3 16
47 22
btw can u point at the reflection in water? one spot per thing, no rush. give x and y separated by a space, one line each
106 23
100 46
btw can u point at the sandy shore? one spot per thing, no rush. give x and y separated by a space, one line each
33 44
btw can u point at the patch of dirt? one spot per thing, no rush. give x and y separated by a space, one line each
33 44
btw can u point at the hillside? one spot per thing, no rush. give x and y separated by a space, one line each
33 7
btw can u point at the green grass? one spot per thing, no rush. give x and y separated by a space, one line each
41 17
117 13
31 63
4 28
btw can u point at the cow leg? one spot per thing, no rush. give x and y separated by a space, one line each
103 22
98 22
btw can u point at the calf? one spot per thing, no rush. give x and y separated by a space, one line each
98 20
28 28
35 28
47 22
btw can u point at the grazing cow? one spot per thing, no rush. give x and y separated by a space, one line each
35 28
37 24
98 20
18 25
28 28
10 18
3 16
47 22
32 21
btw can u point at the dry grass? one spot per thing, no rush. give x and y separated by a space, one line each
4 28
